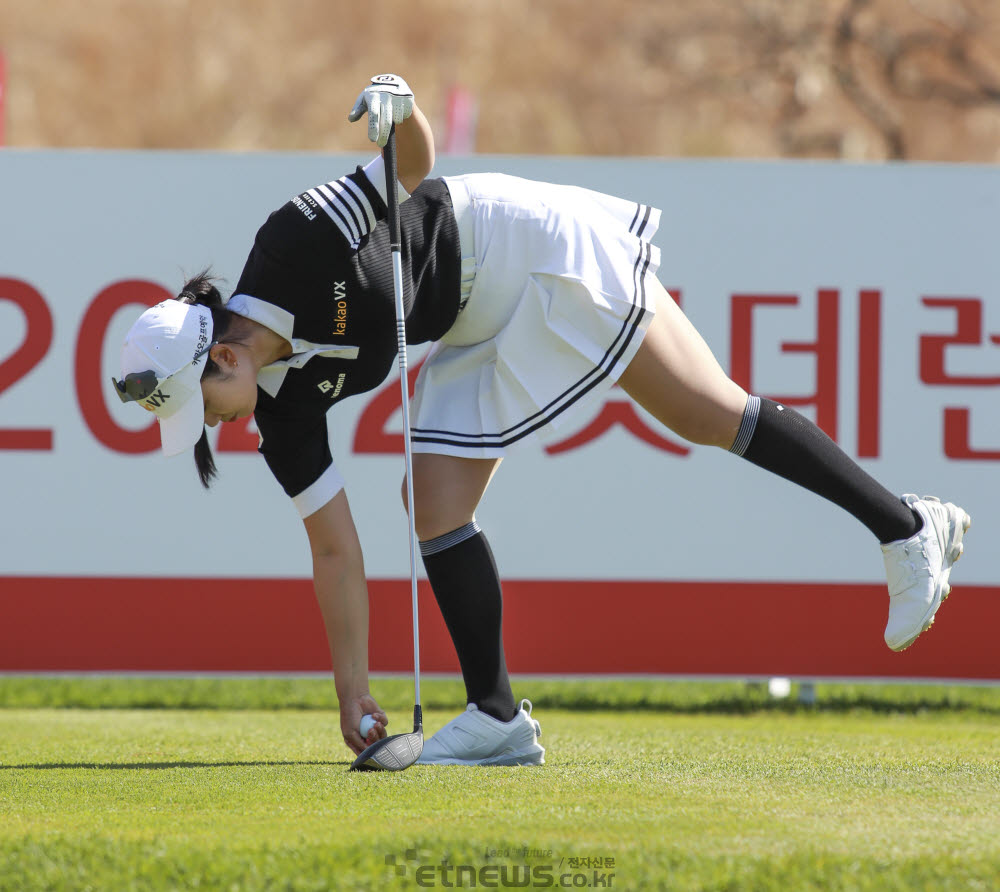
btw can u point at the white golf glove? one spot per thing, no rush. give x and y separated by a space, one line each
388 100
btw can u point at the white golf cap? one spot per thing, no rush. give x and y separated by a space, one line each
169 342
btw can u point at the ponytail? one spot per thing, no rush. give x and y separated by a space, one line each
204 460
202 291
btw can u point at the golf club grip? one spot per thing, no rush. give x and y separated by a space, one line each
392 189
392 203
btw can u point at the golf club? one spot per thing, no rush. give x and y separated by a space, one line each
400 750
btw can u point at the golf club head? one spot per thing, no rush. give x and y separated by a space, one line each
393 753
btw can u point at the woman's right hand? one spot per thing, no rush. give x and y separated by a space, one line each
351 711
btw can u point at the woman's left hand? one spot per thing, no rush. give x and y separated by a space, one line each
351 712
388 100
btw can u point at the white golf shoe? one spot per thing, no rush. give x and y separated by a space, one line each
475 738
918 568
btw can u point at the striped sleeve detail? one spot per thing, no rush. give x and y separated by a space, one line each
747 426
455 537
347 205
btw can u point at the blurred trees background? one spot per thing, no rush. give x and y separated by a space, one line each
853 79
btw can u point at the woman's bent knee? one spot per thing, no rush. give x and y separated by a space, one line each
447 491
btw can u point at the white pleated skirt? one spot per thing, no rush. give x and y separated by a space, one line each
555 283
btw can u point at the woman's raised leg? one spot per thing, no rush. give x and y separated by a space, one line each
675 377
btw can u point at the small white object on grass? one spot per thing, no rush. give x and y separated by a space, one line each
779 687
367 723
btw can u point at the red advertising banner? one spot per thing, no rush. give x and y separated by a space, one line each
552 627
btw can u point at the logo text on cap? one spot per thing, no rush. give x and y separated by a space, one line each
157 400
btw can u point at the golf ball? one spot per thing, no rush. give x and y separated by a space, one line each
367 723
779 687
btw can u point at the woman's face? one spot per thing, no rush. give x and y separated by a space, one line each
233 394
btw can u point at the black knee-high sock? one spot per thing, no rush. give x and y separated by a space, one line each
780 440
466 584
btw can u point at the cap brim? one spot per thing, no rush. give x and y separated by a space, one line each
184 428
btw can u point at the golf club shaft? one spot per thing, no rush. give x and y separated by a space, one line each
392 200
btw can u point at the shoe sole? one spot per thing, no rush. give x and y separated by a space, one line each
959 525
524 757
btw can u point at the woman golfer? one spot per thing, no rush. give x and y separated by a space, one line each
537 297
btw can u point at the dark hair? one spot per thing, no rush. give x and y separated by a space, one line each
202 290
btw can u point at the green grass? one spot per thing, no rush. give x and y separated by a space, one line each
241 784
304 693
